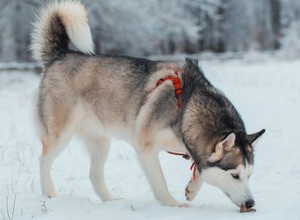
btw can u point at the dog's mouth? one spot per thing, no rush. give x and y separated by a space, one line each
244 209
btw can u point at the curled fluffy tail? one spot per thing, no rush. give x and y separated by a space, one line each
57 24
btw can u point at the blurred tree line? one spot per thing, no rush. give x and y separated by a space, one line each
146 27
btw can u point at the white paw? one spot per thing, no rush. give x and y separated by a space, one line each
115 199
107 197
50 193
183 205
48 188
192 189
171 202
176 204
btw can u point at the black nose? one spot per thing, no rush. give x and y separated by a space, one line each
250 203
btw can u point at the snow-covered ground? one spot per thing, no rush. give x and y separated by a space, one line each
267 94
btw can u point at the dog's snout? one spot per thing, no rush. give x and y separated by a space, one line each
250 203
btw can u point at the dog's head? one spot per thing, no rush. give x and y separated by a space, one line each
214 133
229 167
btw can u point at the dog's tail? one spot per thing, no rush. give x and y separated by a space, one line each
56 25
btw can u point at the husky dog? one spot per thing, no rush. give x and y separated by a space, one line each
98 97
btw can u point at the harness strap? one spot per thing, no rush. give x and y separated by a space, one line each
176 83
178 92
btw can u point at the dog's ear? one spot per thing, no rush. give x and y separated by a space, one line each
221 148
190 61
254 138
193 71
192 65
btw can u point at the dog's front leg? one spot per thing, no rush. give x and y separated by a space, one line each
150 163
193 187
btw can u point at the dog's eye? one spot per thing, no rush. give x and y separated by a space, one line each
235 176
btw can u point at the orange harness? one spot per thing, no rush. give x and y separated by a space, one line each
176 83
178 91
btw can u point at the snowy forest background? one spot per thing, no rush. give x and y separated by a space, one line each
154 27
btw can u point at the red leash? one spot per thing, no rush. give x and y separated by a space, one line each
185 156
178 91
193 167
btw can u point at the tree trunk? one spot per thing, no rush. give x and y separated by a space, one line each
275 22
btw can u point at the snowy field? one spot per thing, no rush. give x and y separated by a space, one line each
267 94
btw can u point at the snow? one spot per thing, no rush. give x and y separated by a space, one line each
266 93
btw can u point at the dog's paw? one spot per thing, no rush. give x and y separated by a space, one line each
171 202
48 188
50 194
177 204
183 205
115 199
191 190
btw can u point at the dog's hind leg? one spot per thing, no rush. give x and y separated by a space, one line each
52 147
57 127
98 147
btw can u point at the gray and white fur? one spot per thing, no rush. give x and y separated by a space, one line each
99 97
